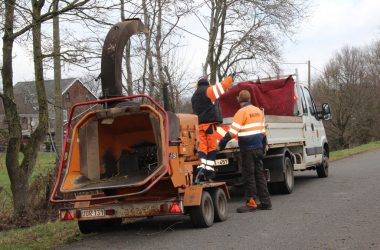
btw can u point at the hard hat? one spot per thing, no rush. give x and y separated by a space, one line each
244 96
203 80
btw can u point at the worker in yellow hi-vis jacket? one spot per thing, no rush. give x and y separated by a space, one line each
205 106
249 126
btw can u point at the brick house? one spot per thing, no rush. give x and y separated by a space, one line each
73 91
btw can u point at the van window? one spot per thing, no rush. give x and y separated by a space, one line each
304 106
309 101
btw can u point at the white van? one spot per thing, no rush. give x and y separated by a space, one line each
294 143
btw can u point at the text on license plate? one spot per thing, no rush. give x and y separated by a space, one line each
220 162
92 213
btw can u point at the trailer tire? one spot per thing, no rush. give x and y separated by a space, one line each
203 215
112 223
92 226
323 168
88 226
286 186
219 200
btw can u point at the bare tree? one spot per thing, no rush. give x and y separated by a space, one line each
127 56
16 24
58 121
165 46
149 20
351 85
158 47
245 33
158 41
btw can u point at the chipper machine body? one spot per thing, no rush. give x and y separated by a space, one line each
127 157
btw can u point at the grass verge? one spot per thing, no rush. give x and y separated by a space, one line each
45 163
45 236
340 154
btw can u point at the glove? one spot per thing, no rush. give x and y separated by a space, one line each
232 75
223 141
222 145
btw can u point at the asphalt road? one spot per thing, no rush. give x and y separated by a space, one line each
338 212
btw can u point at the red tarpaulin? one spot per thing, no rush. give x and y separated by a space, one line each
275 96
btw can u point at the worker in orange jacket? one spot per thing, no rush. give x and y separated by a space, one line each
249 127
205 105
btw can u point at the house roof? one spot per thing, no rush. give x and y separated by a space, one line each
29 87
26 95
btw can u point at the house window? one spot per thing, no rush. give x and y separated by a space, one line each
24 123
67 97
64 115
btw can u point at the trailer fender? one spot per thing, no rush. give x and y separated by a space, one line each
193 193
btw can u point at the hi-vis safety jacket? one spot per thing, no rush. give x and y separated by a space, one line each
249 126
215 91
204 98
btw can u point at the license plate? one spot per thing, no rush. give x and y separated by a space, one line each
92 213
221 162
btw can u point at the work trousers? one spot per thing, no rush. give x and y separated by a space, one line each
207 141
255 183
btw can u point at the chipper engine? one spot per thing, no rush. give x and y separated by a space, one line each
127 157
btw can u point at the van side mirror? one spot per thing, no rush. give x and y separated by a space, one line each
326 112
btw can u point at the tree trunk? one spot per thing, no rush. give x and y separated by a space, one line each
148 55
17 175
127 54
213 32
172 101
161 75
30 150
57 85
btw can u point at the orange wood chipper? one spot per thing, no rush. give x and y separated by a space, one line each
127 157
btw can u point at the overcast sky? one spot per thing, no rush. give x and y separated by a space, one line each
331 25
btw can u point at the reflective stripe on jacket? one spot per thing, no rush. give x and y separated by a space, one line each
217 90
249 126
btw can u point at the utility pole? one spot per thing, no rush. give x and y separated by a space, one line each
308 74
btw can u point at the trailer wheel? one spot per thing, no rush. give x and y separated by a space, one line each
112 223
88 226
286 186
92 226
323 168
203 215
219 200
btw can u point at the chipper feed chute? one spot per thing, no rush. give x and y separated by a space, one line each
120 145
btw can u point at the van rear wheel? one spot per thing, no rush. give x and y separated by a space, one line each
287 185
203 215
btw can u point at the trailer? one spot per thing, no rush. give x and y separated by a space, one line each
128 157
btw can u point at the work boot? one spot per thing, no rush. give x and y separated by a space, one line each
209 174
264 206
206 173
250 206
